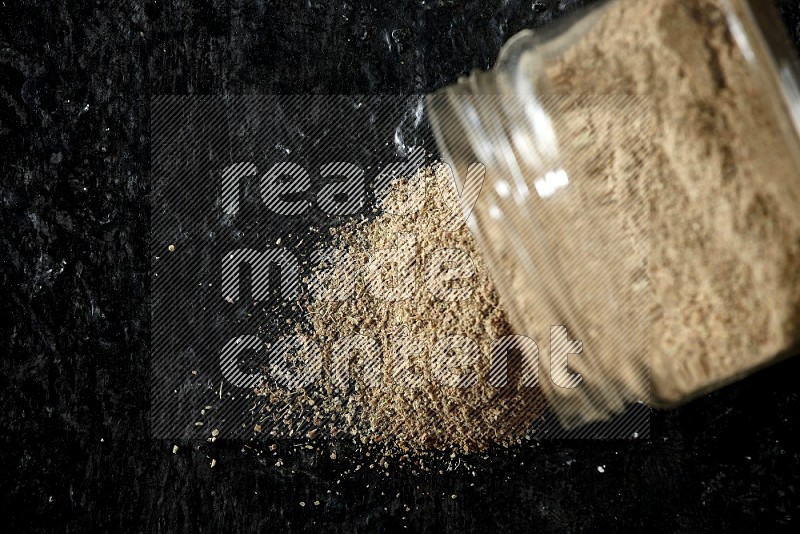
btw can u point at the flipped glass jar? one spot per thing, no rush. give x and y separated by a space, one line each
606 164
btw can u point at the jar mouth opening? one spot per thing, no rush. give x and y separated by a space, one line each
475 122
771 64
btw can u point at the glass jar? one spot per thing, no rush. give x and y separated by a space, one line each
629 175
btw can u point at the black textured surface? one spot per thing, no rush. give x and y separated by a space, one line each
75 81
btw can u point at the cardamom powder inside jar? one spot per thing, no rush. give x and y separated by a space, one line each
675 175
723 204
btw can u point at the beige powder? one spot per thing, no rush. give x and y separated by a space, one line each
426 414
725 197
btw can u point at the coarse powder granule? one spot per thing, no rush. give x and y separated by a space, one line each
724 219
422 413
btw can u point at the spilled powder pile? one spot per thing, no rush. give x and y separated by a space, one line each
725 242
407 306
